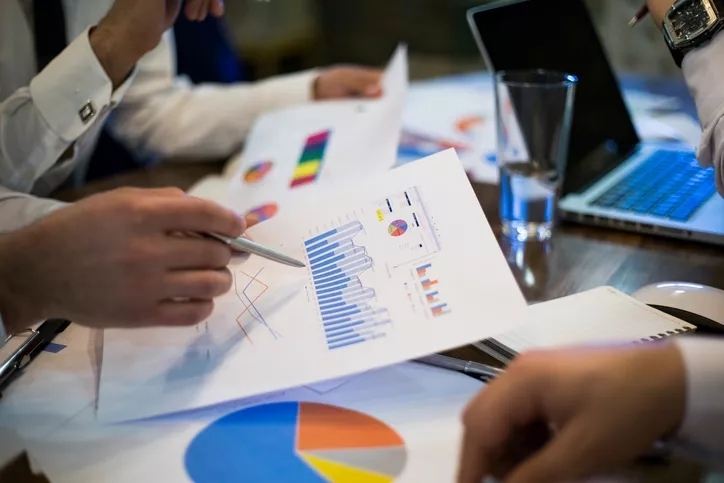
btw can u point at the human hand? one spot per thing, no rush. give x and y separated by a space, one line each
564 415
134 27
343 82
658 8
118 260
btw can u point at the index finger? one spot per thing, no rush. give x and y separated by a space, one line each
196 215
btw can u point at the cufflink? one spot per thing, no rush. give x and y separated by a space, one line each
87 112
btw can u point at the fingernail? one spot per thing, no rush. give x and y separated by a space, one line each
373 90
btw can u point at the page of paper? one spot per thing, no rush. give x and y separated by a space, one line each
57 385
402 422
398 267
602 315
304 150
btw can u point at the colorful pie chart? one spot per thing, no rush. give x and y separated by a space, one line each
300 442
397 228
258 172
261 213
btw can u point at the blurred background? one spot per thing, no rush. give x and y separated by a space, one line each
267 37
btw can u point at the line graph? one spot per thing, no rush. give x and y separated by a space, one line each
249 289
335 262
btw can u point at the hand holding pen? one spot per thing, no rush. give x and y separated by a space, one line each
656 8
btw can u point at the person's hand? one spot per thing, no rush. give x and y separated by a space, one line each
132 28
657 10
568 414
119 259
343 82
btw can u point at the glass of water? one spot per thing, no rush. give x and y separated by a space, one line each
534 110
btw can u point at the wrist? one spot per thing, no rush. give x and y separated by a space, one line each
16 305
116 54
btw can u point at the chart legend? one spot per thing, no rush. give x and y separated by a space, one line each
303 442
310 162
345 304
257 172
262 213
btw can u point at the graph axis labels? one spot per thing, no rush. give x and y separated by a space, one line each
345 304
290 441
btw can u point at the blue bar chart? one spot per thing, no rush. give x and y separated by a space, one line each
345 304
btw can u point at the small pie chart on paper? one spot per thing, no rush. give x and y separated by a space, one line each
303 442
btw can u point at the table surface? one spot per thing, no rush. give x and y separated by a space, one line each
577 258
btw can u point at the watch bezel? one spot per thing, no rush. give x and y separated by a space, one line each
679 41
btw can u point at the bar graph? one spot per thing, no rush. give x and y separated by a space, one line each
430 289
345 304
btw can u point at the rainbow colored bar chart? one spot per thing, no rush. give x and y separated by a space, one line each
345 304
432 294
310 162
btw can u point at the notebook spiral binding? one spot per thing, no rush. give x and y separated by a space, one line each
664 335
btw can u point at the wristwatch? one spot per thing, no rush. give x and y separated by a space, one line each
689 24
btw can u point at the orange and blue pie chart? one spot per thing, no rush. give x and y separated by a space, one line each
261 213
397 228
300 442
258 172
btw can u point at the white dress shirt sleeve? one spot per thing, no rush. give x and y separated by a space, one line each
40 122
702 433
18 210
703 70
164 115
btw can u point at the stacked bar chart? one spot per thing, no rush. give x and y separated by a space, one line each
429 286
345 304
310 162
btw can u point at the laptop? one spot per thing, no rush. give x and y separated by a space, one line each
612 178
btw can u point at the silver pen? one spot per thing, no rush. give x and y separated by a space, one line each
245 245
476 369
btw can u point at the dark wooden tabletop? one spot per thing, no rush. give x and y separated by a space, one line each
577 258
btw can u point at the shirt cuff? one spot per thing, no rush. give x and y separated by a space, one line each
74 89
703 426
703 72
291 89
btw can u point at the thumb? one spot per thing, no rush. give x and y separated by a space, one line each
566 457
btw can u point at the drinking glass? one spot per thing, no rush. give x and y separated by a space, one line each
534 111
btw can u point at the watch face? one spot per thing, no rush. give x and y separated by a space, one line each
688 19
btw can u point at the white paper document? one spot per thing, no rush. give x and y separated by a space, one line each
400 423
302 151
398 266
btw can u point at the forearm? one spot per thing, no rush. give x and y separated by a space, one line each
703 71
164 115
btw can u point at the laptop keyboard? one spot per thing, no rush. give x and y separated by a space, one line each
669 184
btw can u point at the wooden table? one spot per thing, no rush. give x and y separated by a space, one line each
576 259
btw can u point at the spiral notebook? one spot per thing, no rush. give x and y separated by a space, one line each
598 316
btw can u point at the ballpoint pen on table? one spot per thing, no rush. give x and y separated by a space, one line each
643 11
482 371
245 245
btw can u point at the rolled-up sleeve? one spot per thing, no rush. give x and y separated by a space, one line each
703 70
40 122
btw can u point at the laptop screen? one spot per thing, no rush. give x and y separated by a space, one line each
560 35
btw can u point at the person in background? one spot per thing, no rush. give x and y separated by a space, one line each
564 415
133 271
69 68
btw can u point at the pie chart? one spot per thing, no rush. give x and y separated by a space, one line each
261 213
257 172
397 228
303 442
